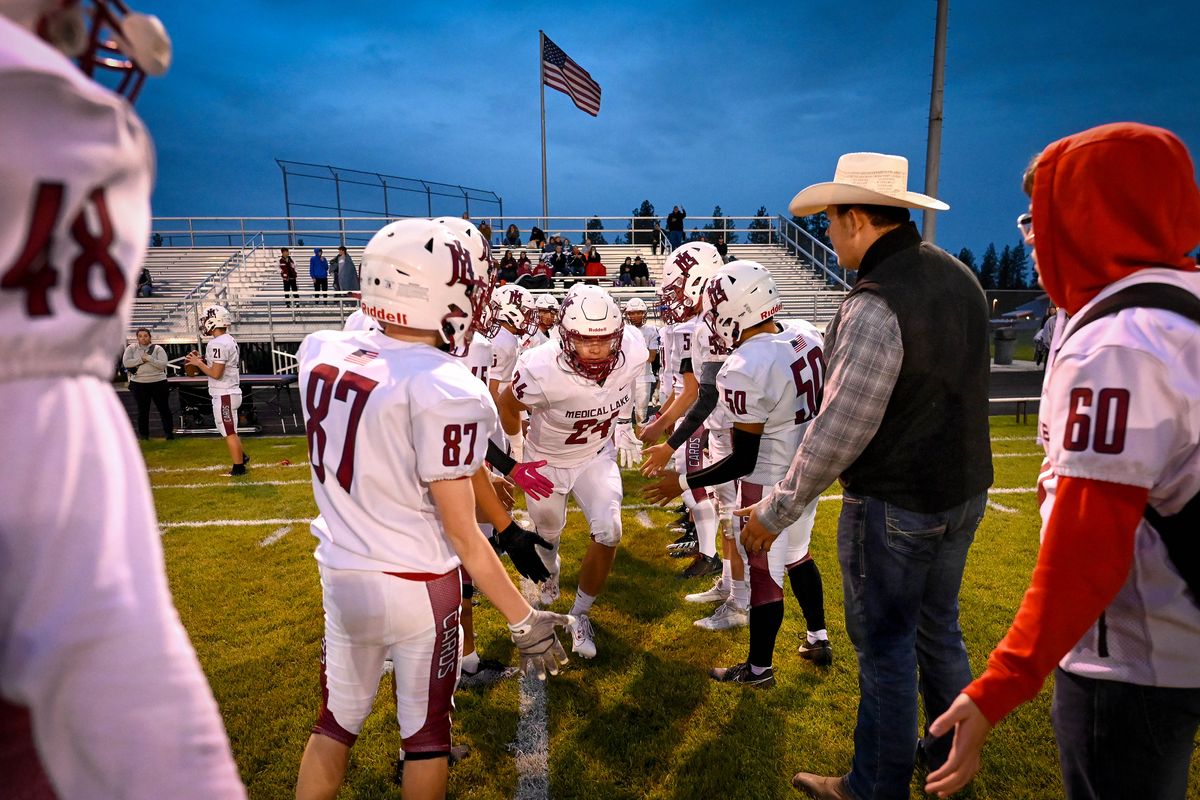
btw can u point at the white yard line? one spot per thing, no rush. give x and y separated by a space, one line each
227 484
1039 454
220 468
531 747
234 523
643 519
276 536
1003 509
1014 439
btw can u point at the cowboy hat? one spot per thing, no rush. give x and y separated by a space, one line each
872 179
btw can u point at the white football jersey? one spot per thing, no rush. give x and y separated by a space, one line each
705 351
384 419
572 418
224 350
666 379
649 332
76 170
681 335
534 339
358 321
1120 405
774 379
478 359
505 348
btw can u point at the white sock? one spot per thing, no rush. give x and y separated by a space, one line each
726 572
583 603
740 591
759 670
816 636
470 663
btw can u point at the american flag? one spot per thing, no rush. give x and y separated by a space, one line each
569 78
361 357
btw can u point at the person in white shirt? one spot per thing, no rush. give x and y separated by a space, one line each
643 388
222 365
101 694
147 366
398 434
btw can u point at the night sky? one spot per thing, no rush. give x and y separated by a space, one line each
703 104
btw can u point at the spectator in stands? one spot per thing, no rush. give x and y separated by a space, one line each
722 248
145 284
512 236
593 255
640 272
287 271
318 270
345 276
576 263
146 364
508 267
656 239
485 228
537 239
675 226
594 267
537 276
892 400
558 262
625 277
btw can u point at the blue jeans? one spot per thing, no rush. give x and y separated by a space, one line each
1119 740
901 573
675 238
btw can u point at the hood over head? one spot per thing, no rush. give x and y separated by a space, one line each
1111 201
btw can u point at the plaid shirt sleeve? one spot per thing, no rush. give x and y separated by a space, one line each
863 367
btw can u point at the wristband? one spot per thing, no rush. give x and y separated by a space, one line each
683 484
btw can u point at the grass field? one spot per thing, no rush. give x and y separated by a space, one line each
641 720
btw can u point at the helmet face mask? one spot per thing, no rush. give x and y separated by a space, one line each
739 296
214 317
589 317
486 273
685 272
513 305
635 311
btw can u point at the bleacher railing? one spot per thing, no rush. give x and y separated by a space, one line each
806 246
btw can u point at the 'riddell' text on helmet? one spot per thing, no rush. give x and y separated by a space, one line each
590 316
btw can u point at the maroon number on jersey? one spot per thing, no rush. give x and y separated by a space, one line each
808 387
452 439
584 428
1112 419
33 273
323 387
736 400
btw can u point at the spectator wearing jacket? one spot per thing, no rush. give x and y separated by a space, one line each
535 276
639 272
512 236
1113 606
318 270
507 270
537 238
558 262
345 276
576 263
287 271
675 226
485 228
146 364
624 278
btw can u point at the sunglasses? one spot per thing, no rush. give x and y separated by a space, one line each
1025 226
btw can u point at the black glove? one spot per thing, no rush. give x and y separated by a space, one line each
519 544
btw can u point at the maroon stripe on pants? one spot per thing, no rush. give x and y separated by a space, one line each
327 725
20 765
445 599
227 419
694 460
763 589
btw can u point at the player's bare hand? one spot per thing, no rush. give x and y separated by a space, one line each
532 482
652 431
537 642
656 458
663 490
504 491
521 546
193 359
971 730
756 538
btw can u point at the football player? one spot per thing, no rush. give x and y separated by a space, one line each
513 318
101 694
770 384
575 389
685 274
397 428
547 319
635 312
221 363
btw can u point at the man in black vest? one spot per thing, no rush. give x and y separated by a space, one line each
904 425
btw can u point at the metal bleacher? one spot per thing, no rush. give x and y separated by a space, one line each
246 279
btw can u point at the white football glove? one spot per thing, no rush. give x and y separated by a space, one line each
629 447
537 642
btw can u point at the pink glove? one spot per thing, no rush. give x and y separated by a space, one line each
532 482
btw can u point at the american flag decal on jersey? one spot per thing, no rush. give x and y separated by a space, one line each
361 357
798 345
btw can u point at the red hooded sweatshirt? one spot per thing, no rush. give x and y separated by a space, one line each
1107 203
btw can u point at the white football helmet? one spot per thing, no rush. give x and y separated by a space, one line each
214 317
513 304
740 295
485 268
635 311
685 272
546 302
417 273
590 314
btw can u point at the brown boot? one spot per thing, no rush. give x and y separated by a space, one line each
821 787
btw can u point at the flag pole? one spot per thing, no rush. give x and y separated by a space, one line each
542 90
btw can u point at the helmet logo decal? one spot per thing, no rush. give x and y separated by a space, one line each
716 293
461 270
685 261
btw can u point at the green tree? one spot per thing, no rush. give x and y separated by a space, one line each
595 231
760 227
643 224
817 226
720 225
1020 265
989 268
1005 279
968 258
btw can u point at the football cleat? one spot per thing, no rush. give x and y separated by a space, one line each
583 638
683 550
490 671
742 674
819 652
719 593
728 615
548 591
701 566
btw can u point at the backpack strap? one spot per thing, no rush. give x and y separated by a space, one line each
1181 532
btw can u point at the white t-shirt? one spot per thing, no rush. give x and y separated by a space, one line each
572 418
224 350
76 170
774 379
390 417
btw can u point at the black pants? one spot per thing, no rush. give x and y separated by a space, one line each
290 289
320 285
143 393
